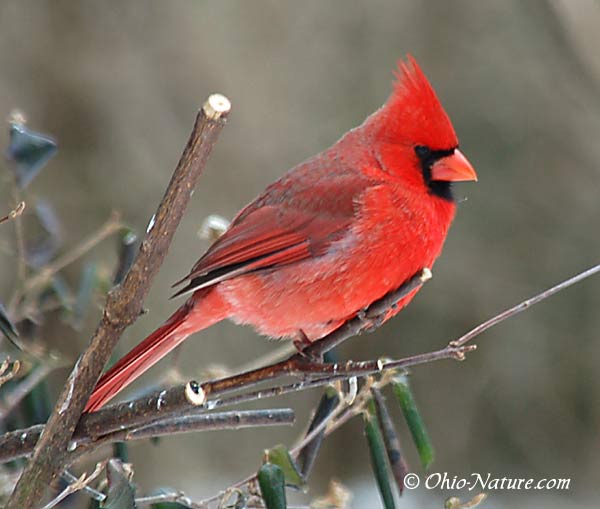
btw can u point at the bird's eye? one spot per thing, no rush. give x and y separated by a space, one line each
422 151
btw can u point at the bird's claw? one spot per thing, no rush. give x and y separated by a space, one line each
370 322
301 343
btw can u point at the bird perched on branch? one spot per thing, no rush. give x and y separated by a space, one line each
331 236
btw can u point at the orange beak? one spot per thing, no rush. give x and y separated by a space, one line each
453 168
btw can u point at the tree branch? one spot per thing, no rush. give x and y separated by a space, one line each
20 443
175 400
527 303
112 225
123 306
10 400
78 484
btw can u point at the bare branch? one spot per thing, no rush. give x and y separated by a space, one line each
111 226
20 241
13 398
16 212
319 428
175 400
93 493
4 376
20 443
216 421
123 306
79 484
525 305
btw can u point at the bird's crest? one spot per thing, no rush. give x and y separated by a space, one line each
413 112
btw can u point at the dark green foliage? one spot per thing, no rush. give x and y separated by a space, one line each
378 456
30 151
271 481
121 492
414 420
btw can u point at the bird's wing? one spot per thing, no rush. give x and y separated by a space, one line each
278 230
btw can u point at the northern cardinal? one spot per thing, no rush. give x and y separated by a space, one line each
331 236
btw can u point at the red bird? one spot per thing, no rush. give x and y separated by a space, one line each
331 236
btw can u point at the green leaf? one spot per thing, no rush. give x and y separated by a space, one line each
127 251
280 456
272 486
30 151
121 451
308 454
404 395
121 493
44 235
398 465
378 456
168 505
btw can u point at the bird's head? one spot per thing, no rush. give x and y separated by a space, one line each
414 138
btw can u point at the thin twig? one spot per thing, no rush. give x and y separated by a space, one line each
95 494
5 377
123 306
14 213
525 305
13 398
77 485
21 253
342 405
111 226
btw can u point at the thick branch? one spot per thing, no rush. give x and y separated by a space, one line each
20 443
123 306
166 407
175 400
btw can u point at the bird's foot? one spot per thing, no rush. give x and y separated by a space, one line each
370 320
301 342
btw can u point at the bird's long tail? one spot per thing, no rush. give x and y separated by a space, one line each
202 310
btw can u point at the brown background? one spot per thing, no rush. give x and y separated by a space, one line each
118 85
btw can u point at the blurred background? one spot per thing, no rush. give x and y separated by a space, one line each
118 85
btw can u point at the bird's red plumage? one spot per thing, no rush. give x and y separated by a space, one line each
324 241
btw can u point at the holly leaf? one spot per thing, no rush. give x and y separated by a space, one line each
30 151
